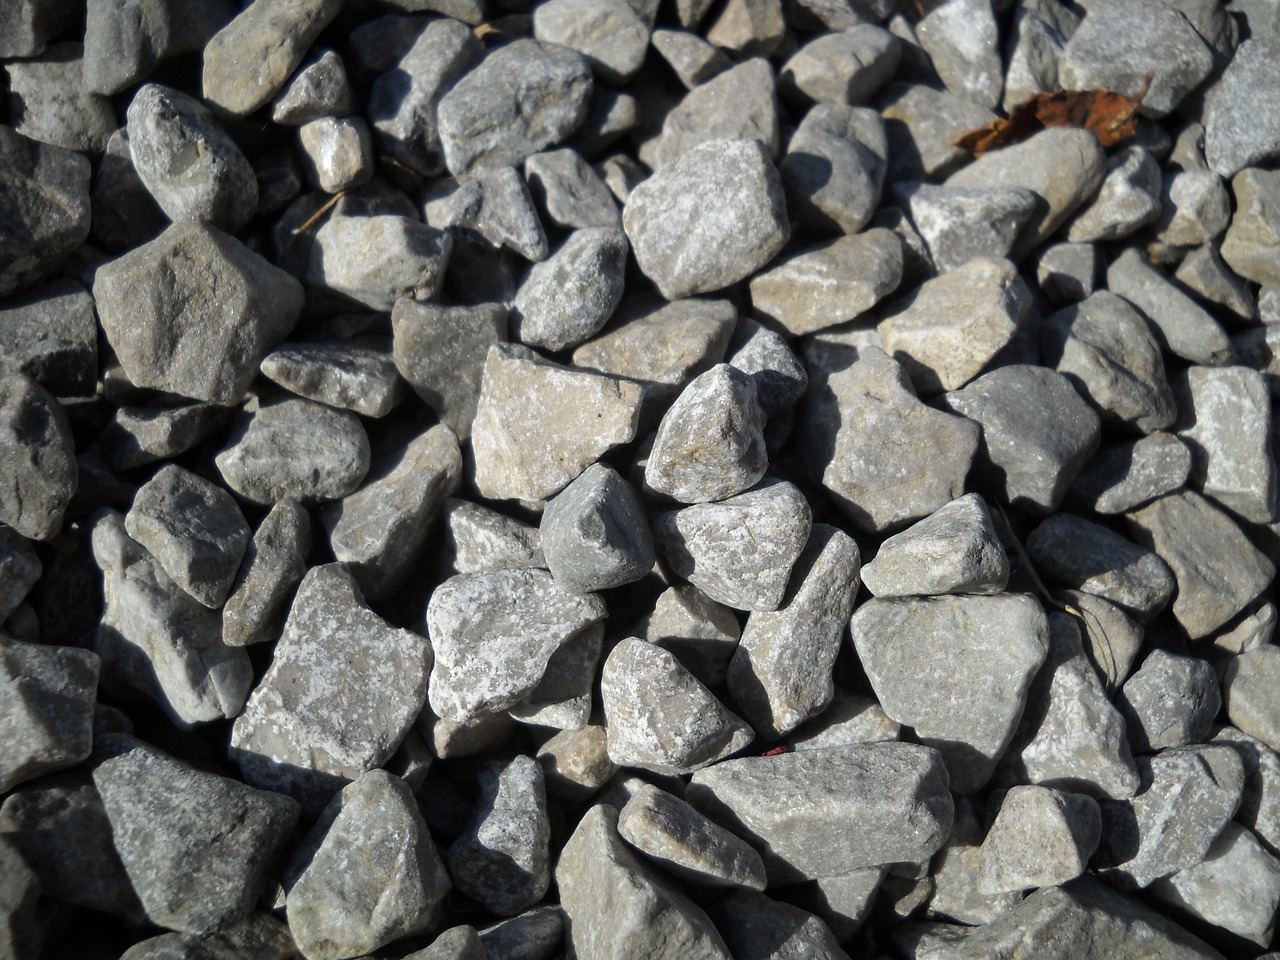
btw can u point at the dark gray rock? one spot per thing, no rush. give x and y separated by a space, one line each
376 260
318 89
1242 127
51 335
1170 701
1128 199
834 168
571 193
495 204
1121 476
38 473
21 932
1112 638
20 568
257 934
274 563
124 213
534 935
1206 274
1260 806
137 436
779 375
357 374
757 927
49 100
921 123
612 34
457 943
30 24
841 68
1040 838
1068 272
595 534
569 296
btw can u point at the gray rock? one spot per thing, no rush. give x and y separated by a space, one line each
693 59
1068 272
563 697
376 260
538 424
844 903
781 673
1170 701
709 219
38 473
166 816
1184 327
827 284
576 762
953 550
834 168
960 224
1037 432
1260 806
534 935
294 448
318 89
194 530
571 193
49 100
701 633
124 213
659 717
51 334
1248 690
1259 347
367 873
739 551
759 928
336 153
1040 838
746 27
540 92
1251 244
842 68
1241 124
1121 476
611 113
779 375
1063 167
48 708
791 807
917 652
20 568
1219 572
921 123
611 34
457 943
738 104
449 740
1072 552
21 932
1205 274
595 534
493 635
851 718
1252 630
1118 43
495 204
1128 199
1189 794
197 333
167 128
1039 32
616 907
952 887
357 374
1112 638
29 24
569 296
502 859
480 540
962 40
1195 208
46 198
273 37
956 323
279 178
1106 348
316 720
379 530
137 436
255 935
157 640
274 563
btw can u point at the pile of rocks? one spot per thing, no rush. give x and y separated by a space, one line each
609 478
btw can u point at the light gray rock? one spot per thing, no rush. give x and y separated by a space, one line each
493 635
38 473
738 104
1170 701
273 36
1260 805
709 219
616 907
1039 31
921 123
318 89
1195 209
962 223
137 436
746 27
50 100
1248 690
572 194
569 296
595 534
357 374
379 530
738 551
376 260
294 448
367 873
791 807
1121 476
955 870
918 651
612 34
953 550
956 323
502 859
336 153
701 633
166 816
834 168
576 763
693 59
781 673
1251 244
1128 199
199 333
51 334
1040 838
1219 572
842 68
962 40
830 283
1037 432
779 375
495 205
759 928
480 540
1242 127
316 721
538 424
274 563
1206 274
540 90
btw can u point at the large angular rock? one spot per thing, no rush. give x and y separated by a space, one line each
842 68
738 104
569 296
595 534
1241 125
1039 838
612 34
480 540
38 474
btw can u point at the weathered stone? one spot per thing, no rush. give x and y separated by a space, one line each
595 534
1039 31
1170 701
534 935
759 928
611 34
1260 805
842 68
763 355
569 296
1040 838
124 213
701 633
51 334
27 26
1248 690
50 100
1195 208
746 27
576 762
1112 638
955 872
480 540
738 104
962 223
572 194
1251 244
376 260
38 474
962 40
449 740
495 204
1242 127
318 89
921 123
851 718
1205 274
693 59
1128 199
844 903
274 563
20 568
356 374
1125 475
336 153
1068 272
137 436
834 168
257 934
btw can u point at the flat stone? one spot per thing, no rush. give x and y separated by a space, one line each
738 551
701 633
316 721
294 448
611 34
781 673
1195 209
493 635
1124 475
659 717
1037 432
758 927
274 37
962 223
1037 35
953 550
379 530
538 424
502 859
480 540
1248 686
51 334
956 323
1128 199
355 374
576 762
318 89
841 68
1219 572
137 436
1040 838
569 190
830 283
569 296
693 59
1170 701
540 89
617 907
1206 274
38 473
199 333
367 873
834 168
1107 349
1242 127
921 123
917 652
194 530
50 100
595 534
376 260
166 815
274 563
709 219
790 807
1250 245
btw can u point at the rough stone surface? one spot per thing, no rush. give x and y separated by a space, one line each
51 334
842 68
355 374
738 104
757 927
376 260
274 563
318 89
1242 127
611 34
49 100
38 475
494 204
1121 476
595 534
480 540
573 195
20 569
702 633
1170 701
962 41
921 122
1040 838
569 296
1128 199
961 223
1248 689
1251 242
834 168
137 436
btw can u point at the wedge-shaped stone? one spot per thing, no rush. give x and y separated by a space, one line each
1121 476
1170 701
834 168
800 809
480 540
493 635
701 633
274 563
956 669
356 374
1040 838
595 534
496 205
1128 199
737 104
